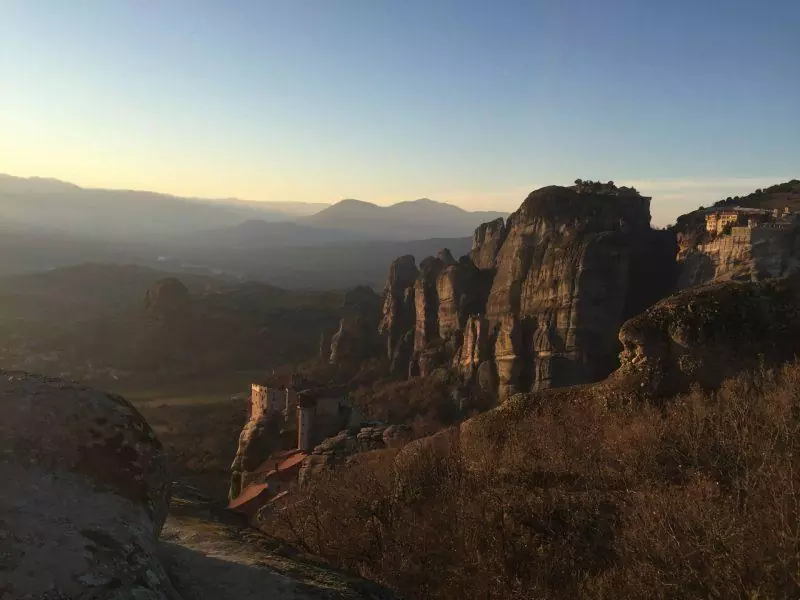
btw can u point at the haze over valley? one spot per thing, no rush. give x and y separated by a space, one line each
416 300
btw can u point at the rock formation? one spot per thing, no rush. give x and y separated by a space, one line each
706 334
746 254
486 243
357 337
398 312
750 250
336 450
166 296
539 301
84 494
261 436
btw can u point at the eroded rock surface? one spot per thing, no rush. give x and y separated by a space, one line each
336 450
84 494
486 243
357 337
706 334
539 301
397 318
746 254
261 436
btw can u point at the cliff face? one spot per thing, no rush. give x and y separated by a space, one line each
398 313
486 243
539 301
356 338
745 254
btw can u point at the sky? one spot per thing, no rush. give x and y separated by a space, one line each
470 102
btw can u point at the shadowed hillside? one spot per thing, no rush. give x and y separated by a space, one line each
107 322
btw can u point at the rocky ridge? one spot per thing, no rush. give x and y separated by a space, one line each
745 253
335 450
706 334
539 300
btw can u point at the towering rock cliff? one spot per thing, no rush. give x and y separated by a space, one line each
486 243
766 247
398 312
539 301
356 338
746 254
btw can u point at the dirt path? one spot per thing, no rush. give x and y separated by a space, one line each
209 556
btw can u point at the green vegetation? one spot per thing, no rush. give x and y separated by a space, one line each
587 186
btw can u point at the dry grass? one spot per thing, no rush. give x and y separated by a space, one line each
698 499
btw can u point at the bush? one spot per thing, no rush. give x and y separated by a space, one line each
698 499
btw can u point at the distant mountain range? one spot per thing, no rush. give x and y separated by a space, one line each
417 219
47 223
127 215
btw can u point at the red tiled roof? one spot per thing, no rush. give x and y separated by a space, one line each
276 458
287 469
292 461
250 493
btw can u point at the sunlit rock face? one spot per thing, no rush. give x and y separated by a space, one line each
541 297
486 243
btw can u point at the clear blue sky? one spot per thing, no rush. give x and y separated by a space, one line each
469 102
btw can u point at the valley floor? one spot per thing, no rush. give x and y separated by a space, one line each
199 422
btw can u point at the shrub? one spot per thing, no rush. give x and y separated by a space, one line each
697 499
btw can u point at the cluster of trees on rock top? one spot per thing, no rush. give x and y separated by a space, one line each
587 186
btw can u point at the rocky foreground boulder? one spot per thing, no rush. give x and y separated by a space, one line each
84 494
706 334
84 498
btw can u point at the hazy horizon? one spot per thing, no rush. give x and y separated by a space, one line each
689 194
462 102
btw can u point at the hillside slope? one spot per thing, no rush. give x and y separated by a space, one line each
76 322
